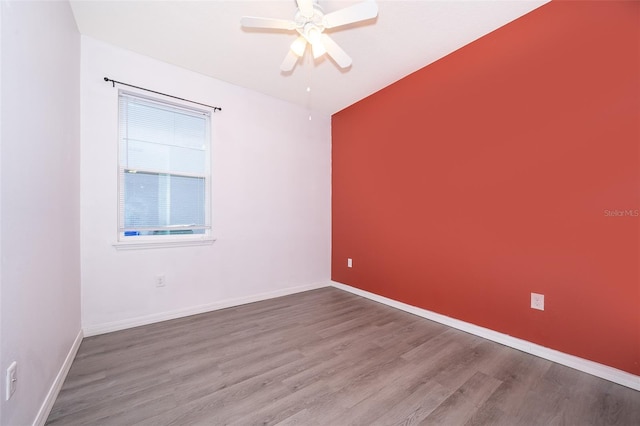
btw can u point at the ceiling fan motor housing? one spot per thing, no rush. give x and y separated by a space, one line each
310 27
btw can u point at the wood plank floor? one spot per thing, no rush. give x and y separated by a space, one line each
324 357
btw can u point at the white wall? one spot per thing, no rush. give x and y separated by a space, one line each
271 173
40 199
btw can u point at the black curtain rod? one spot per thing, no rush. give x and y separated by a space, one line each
113 82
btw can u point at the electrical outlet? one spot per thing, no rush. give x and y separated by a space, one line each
11 380
349 263
160 281
537 301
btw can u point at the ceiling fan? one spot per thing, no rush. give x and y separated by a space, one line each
310 22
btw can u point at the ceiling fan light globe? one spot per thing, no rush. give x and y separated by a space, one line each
313 34
318 49
298 46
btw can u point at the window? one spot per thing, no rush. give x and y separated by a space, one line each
164 171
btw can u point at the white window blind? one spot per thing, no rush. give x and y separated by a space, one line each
164 173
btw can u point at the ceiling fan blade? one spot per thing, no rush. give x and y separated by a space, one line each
271 23
335 51
289 61
356 13
305 7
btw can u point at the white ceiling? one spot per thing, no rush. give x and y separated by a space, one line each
206 37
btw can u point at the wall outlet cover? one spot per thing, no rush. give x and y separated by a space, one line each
537 301
160 281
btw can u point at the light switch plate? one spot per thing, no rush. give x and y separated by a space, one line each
11 380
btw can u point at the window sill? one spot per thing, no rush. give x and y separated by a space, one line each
148 244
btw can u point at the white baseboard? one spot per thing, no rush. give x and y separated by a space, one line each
54 390
596 369
95 329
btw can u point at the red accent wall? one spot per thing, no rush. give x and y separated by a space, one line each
508 167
